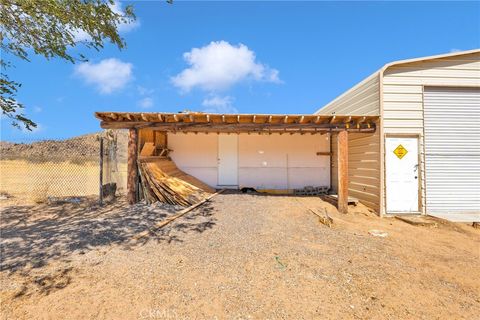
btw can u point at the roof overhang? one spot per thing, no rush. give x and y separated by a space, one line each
236 123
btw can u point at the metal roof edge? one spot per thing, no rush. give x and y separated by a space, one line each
438 56
381 71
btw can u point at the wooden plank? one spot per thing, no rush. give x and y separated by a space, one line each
132 173
323 218
342 167
175 217
148 149
195 116
333 198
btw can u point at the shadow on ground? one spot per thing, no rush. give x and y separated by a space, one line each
35 235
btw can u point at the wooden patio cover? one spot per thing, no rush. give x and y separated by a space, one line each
237 123
240 123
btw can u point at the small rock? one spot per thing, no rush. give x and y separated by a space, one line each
378 233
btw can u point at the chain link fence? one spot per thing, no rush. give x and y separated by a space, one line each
44 171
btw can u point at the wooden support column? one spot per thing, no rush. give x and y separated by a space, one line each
132 173
342 174
100 195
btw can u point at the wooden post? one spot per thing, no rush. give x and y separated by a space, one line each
132 173
100 195
342 175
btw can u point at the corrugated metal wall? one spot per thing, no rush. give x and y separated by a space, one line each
403 95
364 149
452 149
363 167
362 99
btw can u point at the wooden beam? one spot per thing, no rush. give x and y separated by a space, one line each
238 127
132 170
342 174
100 195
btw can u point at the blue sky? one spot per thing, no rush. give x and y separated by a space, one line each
262 57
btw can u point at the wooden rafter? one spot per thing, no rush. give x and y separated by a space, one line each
210 122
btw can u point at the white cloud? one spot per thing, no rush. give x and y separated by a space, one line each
145 103
37 109
144 91
217 104
108 75
80 35
219 65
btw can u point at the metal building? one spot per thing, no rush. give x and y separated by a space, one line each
425 156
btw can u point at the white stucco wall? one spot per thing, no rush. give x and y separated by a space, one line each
265 161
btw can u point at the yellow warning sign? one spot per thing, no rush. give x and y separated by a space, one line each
400 151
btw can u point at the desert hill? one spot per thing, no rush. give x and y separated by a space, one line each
84 147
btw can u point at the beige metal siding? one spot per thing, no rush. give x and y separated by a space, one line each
403 85
363 167
362 99
452 150
364 149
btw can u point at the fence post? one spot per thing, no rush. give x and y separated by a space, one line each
100 195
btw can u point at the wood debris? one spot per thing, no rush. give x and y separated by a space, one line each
417 221
181 213
162 181
333 199
324 218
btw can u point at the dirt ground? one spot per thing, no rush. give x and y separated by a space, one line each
240 256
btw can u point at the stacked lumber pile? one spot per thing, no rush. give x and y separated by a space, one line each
162 181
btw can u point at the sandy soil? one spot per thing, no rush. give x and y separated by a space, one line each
241 256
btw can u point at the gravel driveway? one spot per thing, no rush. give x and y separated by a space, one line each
240 256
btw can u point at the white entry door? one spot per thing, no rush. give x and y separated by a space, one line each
228 160
402 174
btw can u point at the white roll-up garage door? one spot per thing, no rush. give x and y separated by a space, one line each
452 150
